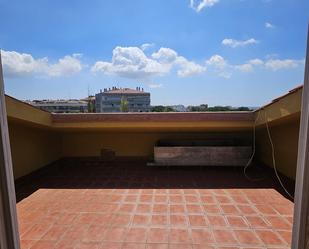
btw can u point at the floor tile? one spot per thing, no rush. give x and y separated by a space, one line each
55 232
158 219
177 208
216 220
278 222
115 234
157 246
257 222
140 219
95 233
269 237
178 220
157 235
197 220
160 208
236 221
179 236
136 235
247 237
44 244
133 246
202 236
36 232
26 244
224 237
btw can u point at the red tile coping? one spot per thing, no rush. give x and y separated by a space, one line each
152 117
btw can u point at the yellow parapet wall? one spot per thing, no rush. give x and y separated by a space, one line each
220 121
39 138
131 144
283 116
285 140
20 111
33 143
281 109
159 122
32 147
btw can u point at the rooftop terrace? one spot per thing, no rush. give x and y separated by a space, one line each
70 196
95 204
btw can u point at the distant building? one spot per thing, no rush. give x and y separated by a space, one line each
61 106
109 100
179 108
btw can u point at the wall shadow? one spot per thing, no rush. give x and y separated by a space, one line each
87 173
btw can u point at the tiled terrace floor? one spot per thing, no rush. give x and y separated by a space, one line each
129 205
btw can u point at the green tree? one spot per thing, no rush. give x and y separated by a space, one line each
161 108
243 108
124 105
157 108
90 106
220 109
168 109
200 108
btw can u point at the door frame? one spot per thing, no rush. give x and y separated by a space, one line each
9 235
300 234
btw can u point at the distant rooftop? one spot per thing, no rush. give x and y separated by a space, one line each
116 90
55 101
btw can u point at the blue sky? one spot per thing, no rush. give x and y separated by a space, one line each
220 52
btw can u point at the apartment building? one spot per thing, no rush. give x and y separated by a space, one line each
109 100
61 106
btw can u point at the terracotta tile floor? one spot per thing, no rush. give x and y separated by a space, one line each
76 204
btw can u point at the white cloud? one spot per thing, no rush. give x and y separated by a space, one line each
272 64
185 67
146 46
238 43
269 25
225 75
222 68
218 61
67 65
246 68
21 64
256 62
131 62
165 55
153 85
188 68
249 65
276 64
198 5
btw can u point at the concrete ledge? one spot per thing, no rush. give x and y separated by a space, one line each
153 117
202 155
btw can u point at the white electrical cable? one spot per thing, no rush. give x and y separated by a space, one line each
273 157
273 154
